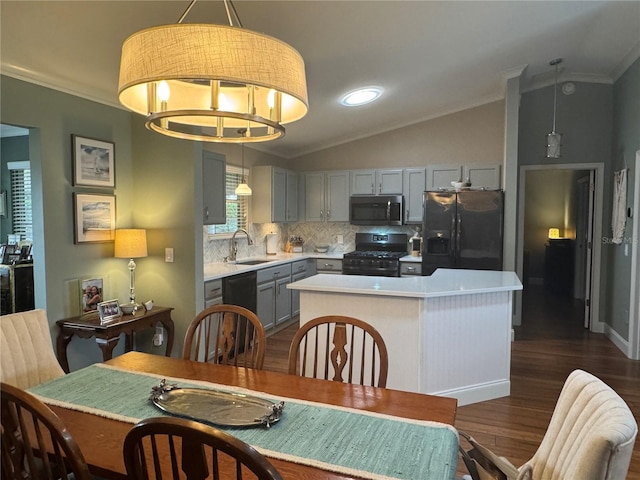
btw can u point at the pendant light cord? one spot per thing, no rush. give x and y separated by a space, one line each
555 62
227 4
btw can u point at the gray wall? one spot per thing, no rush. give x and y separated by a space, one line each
626 141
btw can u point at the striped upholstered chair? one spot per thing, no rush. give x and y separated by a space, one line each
26 351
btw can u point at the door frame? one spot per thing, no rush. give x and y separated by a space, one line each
596 325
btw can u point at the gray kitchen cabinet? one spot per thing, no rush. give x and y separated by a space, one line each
275 195
485 176
299 270
273 296
329 265
376 182
441 176
414 184
214 180
212 293
410 269
327 196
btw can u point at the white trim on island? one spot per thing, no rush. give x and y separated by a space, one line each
447 334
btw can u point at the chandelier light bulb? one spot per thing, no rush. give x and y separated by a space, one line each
164 92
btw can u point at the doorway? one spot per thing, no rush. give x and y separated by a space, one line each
18 225
563 202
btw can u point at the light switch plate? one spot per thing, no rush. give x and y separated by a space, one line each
168 255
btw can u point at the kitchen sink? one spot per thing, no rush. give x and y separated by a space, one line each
251 262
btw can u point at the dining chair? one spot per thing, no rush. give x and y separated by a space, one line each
26 352
29 427
590 436
170 447
357 347
227 335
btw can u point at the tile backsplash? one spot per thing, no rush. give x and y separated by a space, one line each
313 233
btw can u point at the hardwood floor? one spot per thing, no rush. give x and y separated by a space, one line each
549 345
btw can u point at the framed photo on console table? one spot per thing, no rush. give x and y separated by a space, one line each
109 311
93 162
95 218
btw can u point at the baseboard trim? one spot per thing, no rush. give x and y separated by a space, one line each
478 393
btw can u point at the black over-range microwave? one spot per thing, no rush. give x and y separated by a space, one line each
376 209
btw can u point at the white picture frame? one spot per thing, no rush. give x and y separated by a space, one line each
93 162
94 218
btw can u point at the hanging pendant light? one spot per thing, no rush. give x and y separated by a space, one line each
204 82
243 190
554 139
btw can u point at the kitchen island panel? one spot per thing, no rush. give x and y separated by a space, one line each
467 346
394 318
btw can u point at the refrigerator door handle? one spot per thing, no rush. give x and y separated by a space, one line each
458 234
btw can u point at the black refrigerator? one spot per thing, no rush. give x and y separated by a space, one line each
462 230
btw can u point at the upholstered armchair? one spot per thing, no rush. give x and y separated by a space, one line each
26 352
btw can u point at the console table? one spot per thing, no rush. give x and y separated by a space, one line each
108 334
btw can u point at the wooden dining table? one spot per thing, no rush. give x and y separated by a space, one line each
101 439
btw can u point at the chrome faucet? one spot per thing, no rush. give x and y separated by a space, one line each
233 244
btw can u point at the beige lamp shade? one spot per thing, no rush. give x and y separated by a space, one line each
554 233
204 82
130 243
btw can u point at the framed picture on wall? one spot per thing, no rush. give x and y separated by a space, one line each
94 162
94 218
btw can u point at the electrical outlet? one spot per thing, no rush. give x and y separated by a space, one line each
168 255
158 338
339 239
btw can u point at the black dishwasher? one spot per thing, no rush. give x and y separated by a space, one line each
241 290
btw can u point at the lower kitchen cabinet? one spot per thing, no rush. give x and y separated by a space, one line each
273 296
212 293
300 270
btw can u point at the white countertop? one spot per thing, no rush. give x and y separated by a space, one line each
213 271
443 282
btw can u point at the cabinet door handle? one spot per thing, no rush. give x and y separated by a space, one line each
206 212
328 214
411 269
380 188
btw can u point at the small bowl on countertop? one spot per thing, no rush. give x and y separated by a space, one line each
128 308
322 248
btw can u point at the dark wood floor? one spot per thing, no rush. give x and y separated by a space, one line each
549 345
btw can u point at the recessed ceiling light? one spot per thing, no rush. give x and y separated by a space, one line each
361 96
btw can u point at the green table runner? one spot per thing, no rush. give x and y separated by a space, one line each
346 441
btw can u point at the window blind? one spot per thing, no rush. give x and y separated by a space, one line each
21 215
237 207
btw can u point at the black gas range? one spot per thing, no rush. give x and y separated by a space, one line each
376 254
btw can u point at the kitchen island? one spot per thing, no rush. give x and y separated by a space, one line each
447 334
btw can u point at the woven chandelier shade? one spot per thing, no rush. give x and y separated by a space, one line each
204 82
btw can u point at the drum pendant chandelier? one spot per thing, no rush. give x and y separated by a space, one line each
206 82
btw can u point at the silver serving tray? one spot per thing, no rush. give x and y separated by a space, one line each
216 407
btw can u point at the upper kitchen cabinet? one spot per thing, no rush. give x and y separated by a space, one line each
485 176
376 182
214 182
441 176
275 195
327 196
414 183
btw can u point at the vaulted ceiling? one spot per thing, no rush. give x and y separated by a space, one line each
431 57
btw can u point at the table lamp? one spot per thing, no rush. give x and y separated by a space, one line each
131 243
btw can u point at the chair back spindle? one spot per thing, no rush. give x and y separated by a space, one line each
177 448
339 348
226 335
29 428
